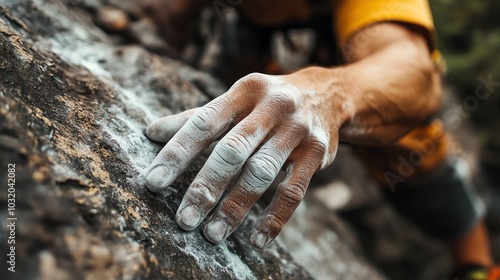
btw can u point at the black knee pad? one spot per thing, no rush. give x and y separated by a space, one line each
444 204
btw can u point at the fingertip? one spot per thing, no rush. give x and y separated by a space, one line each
162 130
158 179
260 240
149 130
157 133
216 231
189 217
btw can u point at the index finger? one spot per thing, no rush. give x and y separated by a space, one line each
199 131
204 127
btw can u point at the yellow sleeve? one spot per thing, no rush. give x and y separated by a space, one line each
352 15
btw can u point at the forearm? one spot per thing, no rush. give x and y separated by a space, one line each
383 94
396 89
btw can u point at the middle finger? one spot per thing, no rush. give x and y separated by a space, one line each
224 163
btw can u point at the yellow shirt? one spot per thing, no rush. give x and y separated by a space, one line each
349 15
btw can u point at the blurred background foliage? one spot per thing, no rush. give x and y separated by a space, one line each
469 38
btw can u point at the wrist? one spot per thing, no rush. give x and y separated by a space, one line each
333 91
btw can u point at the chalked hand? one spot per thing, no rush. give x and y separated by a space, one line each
267 123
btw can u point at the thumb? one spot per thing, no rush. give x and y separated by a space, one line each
162 130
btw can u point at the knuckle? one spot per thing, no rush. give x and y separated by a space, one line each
203 119
292 194
266 164
253 81
284 101
201 190
254 77
300 126
317 146
262 172
233 211
233 149
215 106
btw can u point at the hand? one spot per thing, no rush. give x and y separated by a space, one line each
266 123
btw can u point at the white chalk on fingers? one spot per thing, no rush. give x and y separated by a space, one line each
189 217
159 178
260 240
162 130
216 231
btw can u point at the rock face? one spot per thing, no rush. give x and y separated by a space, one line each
74 103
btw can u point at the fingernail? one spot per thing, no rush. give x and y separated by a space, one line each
216 231
189 217
260 240
158 178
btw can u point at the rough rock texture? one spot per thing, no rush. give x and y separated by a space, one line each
74 103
